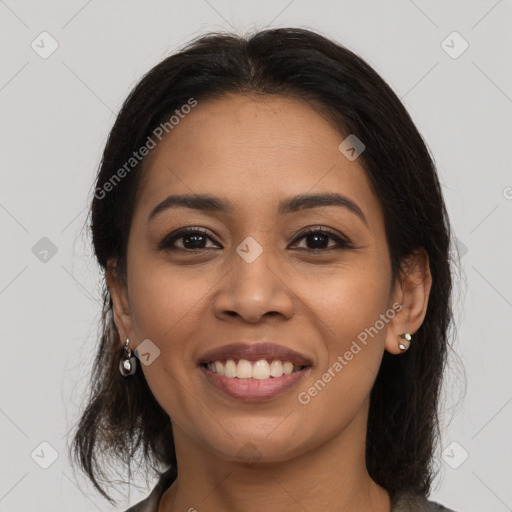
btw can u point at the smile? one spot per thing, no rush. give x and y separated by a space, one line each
253 380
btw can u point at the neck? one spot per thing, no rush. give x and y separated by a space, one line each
332 476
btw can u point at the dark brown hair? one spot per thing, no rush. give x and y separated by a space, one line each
122 420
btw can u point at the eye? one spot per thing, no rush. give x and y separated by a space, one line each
195 239
191 239
319 239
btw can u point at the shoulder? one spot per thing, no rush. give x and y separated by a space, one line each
416 503
150 504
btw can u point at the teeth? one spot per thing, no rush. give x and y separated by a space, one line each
287 368
276 369
244 369
259 370
218 367
229 369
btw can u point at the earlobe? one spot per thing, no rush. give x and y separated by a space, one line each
412 290
121 306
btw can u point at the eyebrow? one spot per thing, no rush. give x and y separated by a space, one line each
209 203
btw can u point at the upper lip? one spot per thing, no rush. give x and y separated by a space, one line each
254 352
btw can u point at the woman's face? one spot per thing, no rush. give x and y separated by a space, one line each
252 276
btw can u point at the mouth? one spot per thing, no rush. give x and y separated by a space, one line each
254 372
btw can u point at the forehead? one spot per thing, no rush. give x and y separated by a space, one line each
253 149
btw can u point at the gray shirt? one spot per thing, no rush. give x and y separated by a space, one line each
401 503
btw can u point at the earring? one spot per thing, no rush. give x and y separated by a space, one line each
128 362
403 346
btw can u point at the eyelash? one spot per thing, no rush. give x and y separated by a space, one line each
168 241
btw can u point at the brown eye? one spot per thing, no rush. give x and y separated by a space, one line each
317 239
191 239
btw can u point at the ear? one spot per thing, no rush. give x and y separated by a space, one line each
411 290
121 305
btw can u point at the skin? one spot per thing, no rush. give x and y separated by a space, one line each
256 152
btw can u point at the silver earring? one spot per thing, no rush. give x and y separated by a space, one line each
128 362
404 345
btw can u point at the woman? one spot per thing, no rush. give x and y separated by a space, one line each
276 254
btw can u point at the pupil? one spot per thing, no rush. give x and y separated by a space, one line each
318 237
196 239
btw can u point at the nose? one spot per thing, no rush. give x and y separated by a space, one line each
254 289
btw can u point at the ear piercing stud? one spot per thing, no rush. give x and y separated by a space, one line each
404 345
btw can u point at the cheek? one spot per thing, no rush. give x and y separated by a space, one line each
166 317
347 300
164 300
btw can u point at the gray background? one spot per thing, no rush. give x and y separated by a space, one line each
56 113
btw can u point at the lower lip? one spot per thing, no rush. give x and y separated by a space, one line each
253 389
